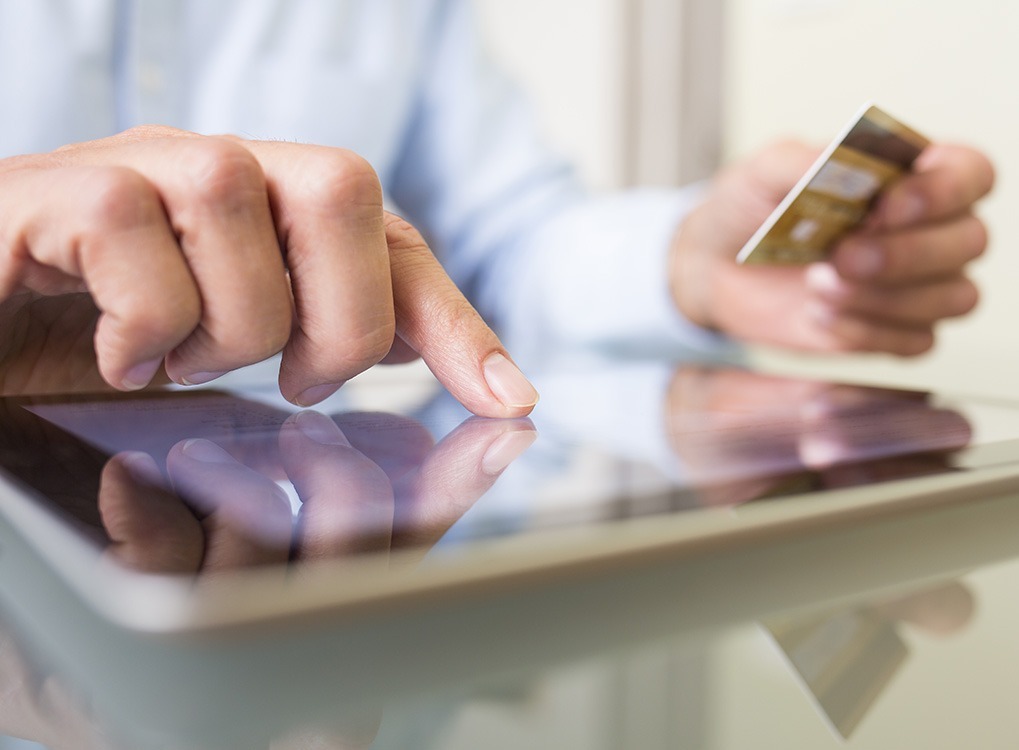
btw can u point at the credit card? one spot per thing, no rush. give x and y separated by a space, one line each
836 193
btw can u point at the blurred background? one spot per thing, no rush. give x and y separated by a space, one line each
662 91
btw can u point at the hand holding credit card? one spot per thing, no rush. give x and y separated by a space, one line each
865 249
836 193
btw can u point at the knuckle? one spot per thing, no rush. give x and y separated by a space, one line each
117 198
361 347
223 172
370 345
901 255
341 178
170 321
254 343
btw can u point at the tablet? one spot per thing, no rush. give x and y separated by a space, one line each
185 510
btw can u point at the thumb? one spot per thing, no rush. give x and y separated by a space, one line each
775 169
436 320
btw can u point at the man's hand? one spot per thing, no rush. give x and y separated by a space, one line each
884 288
204 254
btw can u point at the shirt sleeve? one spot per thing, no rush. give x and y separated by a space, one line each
544 261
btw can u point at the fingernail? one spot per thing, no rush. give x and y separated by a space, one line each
507 382
142 467
824 279
199 378
904 209
506 449
821 451
206 451
320 429
139 376
862 259
315 394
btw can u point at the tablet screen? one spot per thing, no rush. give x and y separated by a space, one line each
202 480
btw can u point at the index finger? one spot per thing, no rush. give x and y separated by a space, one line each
438 322
947 179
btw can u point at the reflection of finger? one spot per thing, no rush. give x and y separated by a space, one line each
942 611
461 468
729 494
150 528
247 517
731 427
397 444
730 393
347 500
897 430
837 399
884 470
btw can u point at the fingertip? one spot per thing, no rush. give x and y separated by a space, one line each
823 279
205 452
509 385
506 449
860 257
318 428
139 376
314 395
946 179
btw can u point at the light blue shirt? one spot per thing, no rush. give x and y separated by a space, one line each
404 83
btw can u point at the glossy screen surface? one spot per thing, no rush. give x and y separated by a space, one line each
193 481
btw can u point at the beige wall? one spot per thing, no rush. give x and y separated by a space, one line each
944 66
801 67
568 54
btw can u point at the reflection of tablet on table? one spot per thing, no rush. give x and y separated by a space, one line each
406 521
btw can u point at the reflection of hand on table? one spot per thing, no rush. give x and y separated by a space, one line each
368 483
359 492
848 656
746 432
